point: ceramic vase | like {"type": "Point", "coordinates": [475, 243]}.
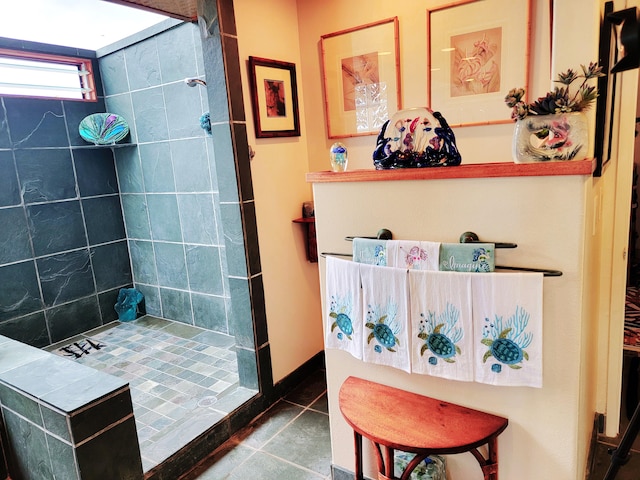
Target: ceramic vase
{"type": "Point", "coordinates": [556, 137]}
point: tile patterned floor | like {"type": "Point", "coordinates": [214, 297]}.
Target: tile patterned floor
{"type": "Point", "coordinates": [183, 379]}
{"type": "Point", "coordinates": [290, 441]}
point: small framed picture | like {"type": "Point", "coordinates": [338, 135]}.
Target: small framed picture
{"type": "Point", "coordinates": [274, 97]}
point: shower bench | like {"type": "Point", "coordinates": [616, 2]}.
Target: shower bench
{"type": "Point", "coordinates": [396, 419]}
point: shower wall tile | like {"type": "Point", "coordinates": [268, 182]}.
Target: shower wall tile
{"type": "Point", "coordinates": [129, 170]}
{"type": "Point", "coordinates": [123, 106]}
{"type": "Point", "coordinates": [197, 45]}
{"type": "Point", "coordinates": [74, 112]}
{"type": "Point", "coordinates": [96, 172]}
{"type": "Point", "coordinates": [224, 163]}
{"type": "Point", "coordinates": [4, 124]}
{"type": "Point", "coordinates": [111, 265]}
{"type": "Point", "coordinates": [55, 422]}
{"type": "Point", "coordinates": [191, 165]}
{"type": "Point", "coordinates": [73, 318]}
{"type": "Point", "coordinates": [184, 109]}
{"type": "Point", "coordinates": [234, 239]}
{"type": "Point", "coordinates": [9, 187]}
{"type": "Point", "coordinates": [45, 175]}
{"type": "Point", "coordinates": [143, 261]}
{"type": "Point", "coordinates": [241, 312]}
{"type": "Point", "coordinates": [157, 167]}
{"type": "Point", "coordinates": [209, 312]}
{"type": "Point", "coordinates": [203, 264]}
{"type": "Point", "coordinates": [30, 329]}
{"type": "Point", "coordinates": [150, 115]}
{"type": "Point", "coordinates": [198, 218]}
{"type": "Point", "coordinates": [107, 301]}
{"type": "Point", "coordinates": [170, 263]}
{"type": "Point", "coordinates": [65, 277]}
{"type": "Point", "coordinates": [103, 217]}
{"type": "Point", "coordinates": [20, 293]}
{"type": "Point", "coordinates": [176, 305]}
{"type": "Point", "coordinates": [28, 444]}
{"type": "Point", "coordinates": [63, 463]}
{"type": "Point", "coordinates": [152, 302]}
{"type": "Point", "coordinates": [56, 227]}
{"type": "Point", "coordinates": [14, 236]}
{"type": "Point", "coordinates": [36, 122]}
{"type": "Point", "coordinates": [114, 74]}
{"type": "Point", "coordinates": [143, 65]}
{"type": "Point", "coordinates": [177, 53]}
{"type": "Point", "coordinates": [164, 217]}
{"type": "Point", "coordinates": [136, 216]}
{"type": "Point", "coordinates": [25, 406]}
{"type": "Point", "coordinates": [216, 82]}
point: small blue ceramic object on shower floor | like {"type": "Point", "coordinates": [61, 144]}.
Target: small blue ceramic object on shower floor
{"type": "Point", "coordinates": [103, 128]}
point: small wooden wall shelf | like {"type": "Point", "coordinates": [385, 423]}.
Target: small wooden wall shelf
{"type": "Point", "coordinates": [312, 247]}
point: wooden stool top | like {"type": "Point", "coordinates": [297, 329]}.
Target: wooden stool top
{"type": "Point", "coordinates": [413, 423]}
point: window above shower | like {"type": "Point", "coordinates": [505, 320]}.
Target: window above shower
{"type": "Point", "coordinates": [49, 76]}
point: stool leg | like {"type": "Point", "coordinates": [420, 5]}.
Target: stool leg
{"type": "Point", "coordinates": [492, 473]}
{"type": "Point", "coordinates": [388, 463]}
{"type": "Point", "coordinates": [358, 449]}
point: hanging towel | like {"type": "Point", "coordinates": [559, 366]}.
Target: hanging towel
{"type": "Point", "coordinates": [414, 255]}
{"type": "Point", "coordinates": [467, 257]}
{"type": "Point", "coordinates": [507, 321]}
{"type": "Point", "coordinates": [385, 295]}
{"type": "Point", "coordinates": [441, 324]}
{"type": "Point", "coordinates": [343, 329]}
{"type": "Point", "coordinates": [371, 251]}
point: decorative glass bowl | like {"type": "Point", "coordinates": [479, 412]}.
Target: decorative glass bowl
{"type": "Point", "coordinates": [103, 128]}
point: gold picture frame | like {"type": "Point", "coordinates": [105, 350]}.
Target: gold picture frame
{"type": "Point", "coordinates": [477, 51]}
{"type": "Point", "coordinates": [361, 78]}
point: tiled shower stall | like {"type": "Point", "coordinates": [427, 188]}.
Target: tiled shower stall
{"type": "Point", "coordinates": [81, 222]}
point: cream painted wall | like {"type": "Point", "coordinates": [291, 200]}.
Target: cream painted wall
{"type": "Point", "coordinates": [546, 217]}
{"type": "Point", "coordinates": [269, 29]}
{"type": "Point", "coordinates": [476, 144]}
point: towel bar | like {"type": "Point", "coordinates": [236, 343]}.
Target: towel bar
{"type": "Point", "coordinates": [383, 234]}
{"type": "Point", "coordinates": [545, 272]}
{"type": "Point", "coordinates": [470, 237]}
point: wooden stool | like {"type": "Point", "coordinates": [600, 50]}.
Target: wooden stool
{"type": "Point", "coordinates": [396, 419]}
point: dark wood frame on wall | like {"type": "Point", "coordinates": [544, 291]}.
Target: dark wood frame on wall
{"type": "Point", "coordinates": [607, 89]}
{"type": "Point", "coordinates": [264, 73]}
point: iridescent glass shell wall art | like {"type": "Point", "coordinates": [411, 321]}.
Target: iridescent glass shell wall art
{"type": "Point", "coordinates": [103, 128]}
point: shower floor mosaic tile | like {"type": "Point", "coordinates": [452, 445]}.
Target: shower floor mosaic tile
{"type": "Point", "coordinates": [183, 379]}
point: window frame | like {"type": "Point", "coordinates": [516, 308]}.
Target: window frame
{"type": "Point", "coordinates": [87, 81]}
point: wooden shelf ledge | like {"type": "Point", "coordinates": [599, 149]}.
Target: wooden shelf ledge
{"type": "Point", "coordinates": [480, 170]}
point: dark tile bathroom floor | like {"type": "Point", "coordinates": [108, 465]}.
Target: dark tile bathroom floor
{"type": "Point", "coordinates": [290, 441]}
{"type": "Point", "coordinates": [183, 379]}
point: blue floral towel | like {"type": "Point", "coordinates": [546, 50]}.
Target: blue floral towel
{"type": "Point", "coordinates": [343, 322]}
{"type": "Point", "coordinates": [507, 322]}
{"type": "Point", "coordinates": [385, 296]}
{"type": "Point", "coordinates": [441, 323]}
{"type": "Point", "coordinates": [370, 251]}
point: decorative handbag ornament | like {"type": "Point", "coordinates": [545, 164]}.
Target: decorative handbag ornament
{"type": "Point", "coordinates": [416, 138]}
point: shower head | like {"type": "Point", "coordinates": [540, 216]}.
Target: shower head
{"type": "Point", "coordinates": [192, 82]}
